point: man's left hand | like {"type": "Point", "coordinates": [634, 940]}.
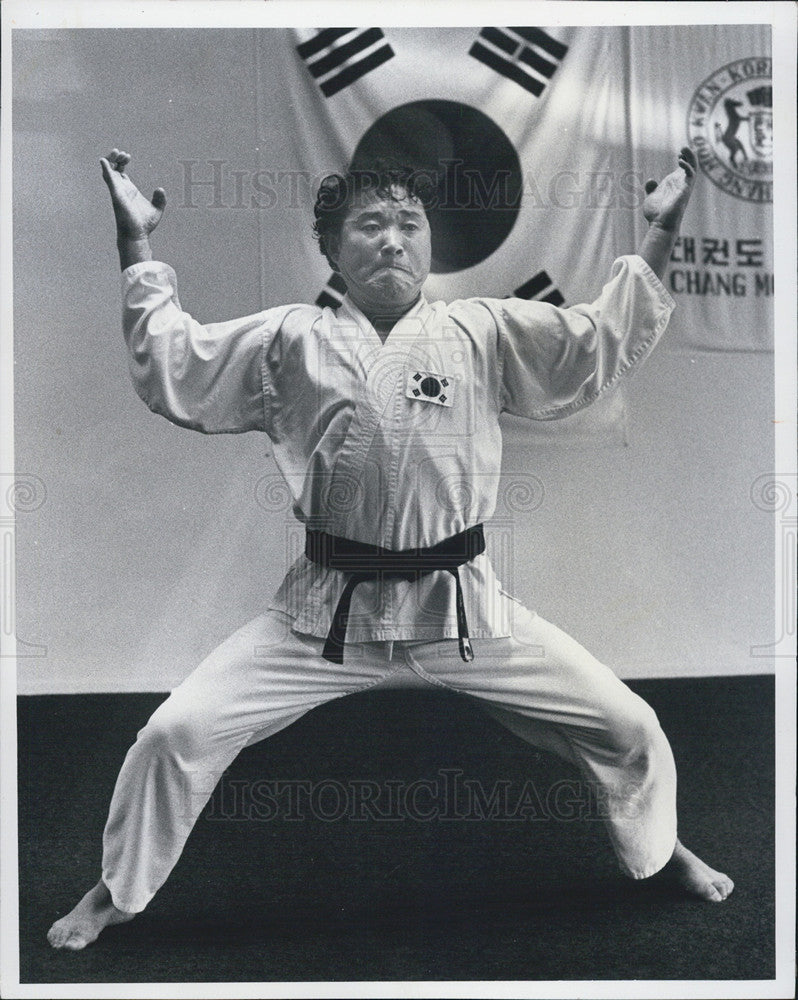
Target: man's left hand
{"type": "Point", "coordinates": [666, 201]}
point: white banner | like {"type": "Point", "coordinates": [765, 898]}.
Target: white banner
{"type": "Point", "coordinates": [711, 85]}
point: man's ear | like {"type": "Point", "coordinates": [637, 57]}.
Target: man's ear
{"type": "Point", "coordinates": [333, 247]}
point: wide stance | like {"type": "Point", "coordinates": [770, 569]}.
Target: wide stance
{"type": "Point", "coordinates": [383, 416]}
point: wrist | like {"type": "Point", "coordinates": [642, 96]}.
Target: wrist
{"type": "Point", "coordinates": [668, 227]}
{"type": "Point", "coordinates": [656, 247]}
{"type": "Point", "coordinates": [132, 241]}
{"type": "Point", "coordinates": [133, 250]}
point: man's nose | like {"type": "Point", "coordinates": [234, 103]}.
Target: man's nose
{"type": "Point", "coordinates": [392, 244]}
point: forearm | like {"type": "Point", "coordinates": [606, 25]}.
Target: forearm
{"type": "Point", "coordinates": [656, 247]}
{"type": "Point", "coordinates": [133, 251]}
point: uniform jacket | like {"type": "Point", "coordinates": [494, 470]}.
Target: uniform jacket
{"type": "Point", "coordinates": [395, 444]}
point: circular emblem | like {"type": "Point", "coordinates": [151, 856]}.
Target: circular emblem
{"type": "Point", "coordinates": [474, 166]}
{"type": "Point", "coordinates": [430, 386]}
{"type": "Point", "coordinates": [730, 126]}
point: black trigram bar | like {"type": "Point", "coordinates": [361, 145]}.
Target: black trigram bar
{"type": "Point", "coordinates": [333, 293]}
{"type": "Point", "coordinates": [511, 42]}
{"type": "Point", "coordinates": [321, 41]}
{"type": "Point", "coordinates": [330, 61]}
{"type": "Point", "coordinates": [537, 283]}
{"type": "Point", "coordinates": [536, 36]}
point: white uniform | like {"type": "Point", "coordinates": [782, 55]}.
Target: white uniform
{"type": "Point", "coordinates": [396, 445]}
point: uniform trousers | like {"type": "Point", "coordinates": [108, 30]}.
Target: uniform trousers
{"type": "Point", "coordinates": [539, 682]}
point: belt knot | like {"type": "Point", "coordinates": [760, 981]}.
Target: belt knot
{"type": "Point", "coordinates": [371, 562]}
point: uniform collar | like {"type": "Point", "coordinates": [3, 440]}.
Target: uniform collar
{"type": "Point", "coordinates": [348, 309]}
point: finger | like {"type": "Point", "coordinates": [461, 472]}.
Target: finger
{"type": "Point", "coordinates": [159, 199]}
{"type": "Point", "coordinates": [689, 154]}
{"type": "Point", "coordinates": [118, 159]}
{"type": "Point", "coordinates": [108, 172]}
{"type": "Point", "coordinates": [650, 185]}
{"type": "Point", "coordinates": [688, 168]}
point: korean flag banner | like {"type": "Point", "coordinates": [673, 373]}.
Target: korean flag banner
{"type": "Point", "coordinates": [541, 140]}
{"type": "Point", "coordinates": [518, 126]}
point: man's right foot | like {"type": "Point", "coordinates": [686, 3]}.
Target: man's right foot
{"type": "Point", "coordinates": [82, 925]}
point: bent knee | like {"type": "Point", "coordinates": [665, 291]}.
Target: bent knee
{"type": "Point", "coordinates": [171, 732]}
{"type": "Point", "coordinates": [635, 730]}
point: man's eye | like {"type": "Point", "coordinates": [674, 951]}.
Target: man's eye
{"type": "Point", "coordinates": [371, 228]}
{"type": "Point", "coordinates": [410, 227]}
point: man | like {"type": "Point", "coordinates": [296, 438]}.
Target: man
{"type": "Point", "coordinates": [384, 419]}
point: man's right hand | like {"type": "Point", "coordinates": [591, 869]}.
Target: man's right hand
{"type": "Point", "coordinates": [136, 217]}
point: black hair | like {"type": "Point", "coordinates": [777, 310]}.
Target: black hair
{"type": "Point", "coordinates": [382, 177]}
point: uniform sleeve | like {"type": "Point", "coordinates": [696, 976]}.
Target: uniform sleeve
{"type": "Point", "coordinates": [556, 361]}
{"type": "Point", "coordinates": [208, 378]}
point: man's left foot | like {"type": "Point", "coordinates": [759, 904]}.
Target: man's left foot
{"type": "Point", "coordinates": [690, 872]}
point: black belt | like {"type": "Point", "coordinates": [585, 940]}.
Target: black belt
{"type": "Point", "coordinates": [371, 562]}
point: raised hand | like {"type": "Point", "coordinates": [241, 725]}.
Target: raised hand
{"type": "Point", "coordinates": [666, 201]}
{"type": "Point", "coordinates": [136, 216]}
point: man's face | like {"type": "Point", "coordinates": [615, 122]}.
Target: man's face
{"type": "Point", "coordinates": [383, 252]}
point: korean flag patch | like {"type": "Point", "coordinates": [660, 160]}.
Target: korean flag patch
{"type": "Point", "coordinates": [430, 388]}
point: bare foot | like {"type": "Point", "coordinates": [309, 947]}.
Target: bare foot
{"type": "Point", "coordinates": [690, 872]}
{"type": "Point", "coordinates": [82, 925]}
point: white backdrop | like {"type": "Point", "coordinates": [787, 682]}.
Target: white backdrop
{"type": "Point", "coordinates": [145, 545]}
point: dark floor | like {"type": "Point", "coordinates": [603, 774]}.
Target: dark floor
{"type": "Point", "coordinates": [406, 891]}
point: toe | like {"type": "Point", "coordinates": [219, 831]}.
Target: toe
{"type": "Point", "coordinates": [75, 942]}
{"type": "Point", "coordinates": [56, 936]}
{"type": "Point", "coordinates": [78, 938]}
{"type": "Point", "coordinates": [721, 887]}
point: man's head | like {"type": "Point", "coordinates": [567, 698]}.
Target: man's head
{"type": "Point", "coordinates": [372, 227]}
